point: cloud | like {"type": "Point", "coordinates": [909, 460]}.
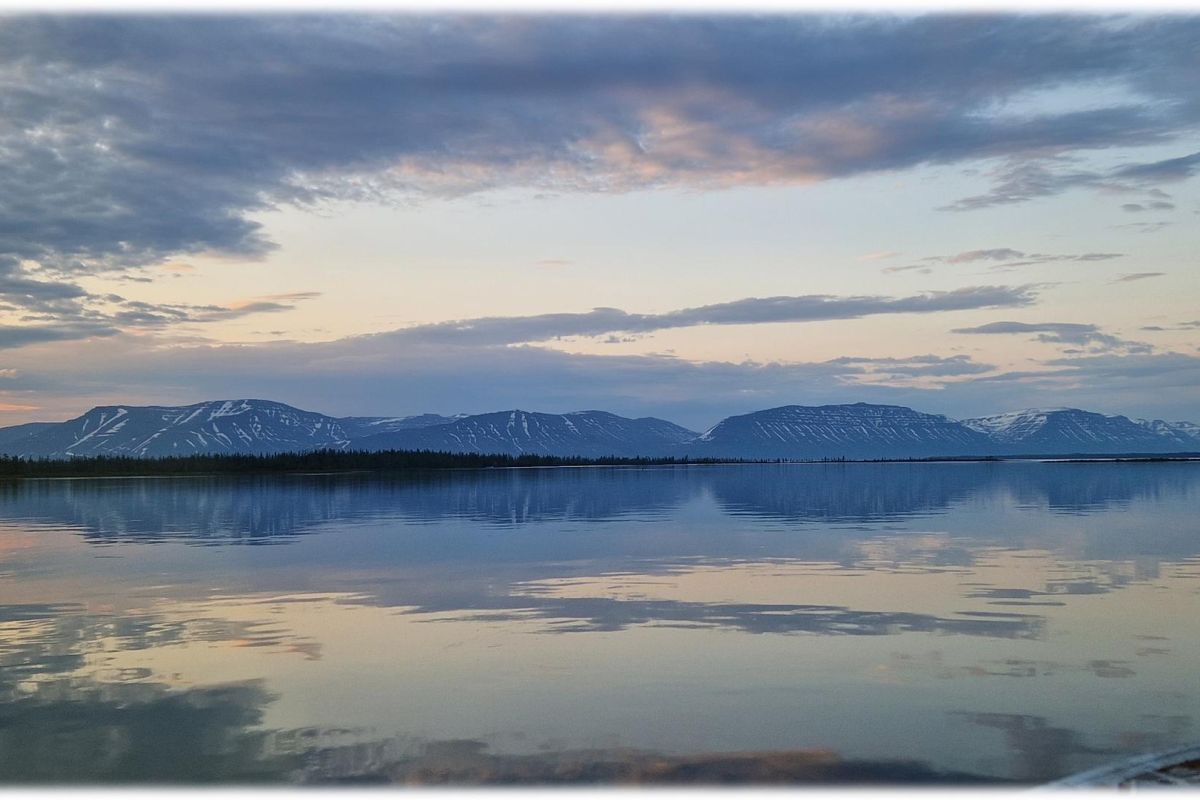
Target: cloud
{"type": "Point", "coordinates": [1157, 205]}
{"type": "Point", "coordinates": [1144, 227]}
{"type": "Point", "coordinates": [1019, 180]}
{"type": "Point", "coordinates": [289, 296]}
{"type": "Point", "coordinates": [1152, 371]}
{"type": "Point", "coordinates": [242, 310]}
{"type": "Point", "coordinates": [1060, 333]}
{"type": "Point", "coordinates": [1165, 171]}
{"type": "Point", "coordinates": [386, 375]}
{"type": "Point", "coordinates": [149, 314]}
{"type": "Point", "coordinates": [1183, 326]}
{"type": "Point", "coordinates": [996, 254]}
{"type": "Point", "coordinates": [921, 268]}
{"type": "Point", "coordinates": [1022, 180]}
{"type": "Point", "coordinates": [21, 335]}
{"type": "Point", "coordinates": [1094, 257]}
{"type": "Point", "coordinates": [56, 301]}
{"type": "Point", "coordinates": [1007, 254]}
{"type": "Point", "coordinates": [1162, 385]}
{"type": "Point", "coordinates": [1137, 276]}
{"type": "Point", "coordinates": [131, 139]}
{"type": "Point", "coordinates": [899, 370]}
{"type": "Point", "coordinates": [62, 312]}
{"type": "Point", "coordinates": [749, 311]}
{"type": "Point", "coordinates": [1006, 258]}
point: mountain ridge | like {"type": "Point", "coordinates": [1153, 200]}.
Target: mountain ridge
{"type": "Point", "coordinates": [855, 430]}
{"type": "Point", "coordinates": [1079, 431]}
{"type": "Point", "coordinates": [584, 433]}
{"type": "Point", "coordinates": [852, 430]}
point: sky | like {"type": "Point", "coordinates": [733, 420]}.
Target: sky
{"type": "Point", "coordinates": [682, 215]}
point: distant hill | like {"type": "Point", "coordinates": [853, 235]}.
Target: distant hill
{"type": "Point", "coordinates": [1071, 430]}
{"type": "Point", "coordinates": [858, 430]}
{"type": "Point", "coordinates": [263, 426]}
{"type": "Point", "coordinates": [1172, 431]}
{"type": "Point", "coordinates": [219, 426]}
{"type": "Point", "coordinates": [851, 431]}
{"type": "Point", "coordinates": [579, 433]}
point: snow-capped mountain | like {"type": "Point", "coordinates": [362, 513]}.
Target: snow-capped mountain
{"type": "Point", "coordinates": [1071, 430]}
{"type": "Point", "coordinates": [1187, 432]}
{"type": "Point", "coordinates": [261, 426]}
{"type": "Point", "coordinates": [858, 430]}
{"type": "Point", "coordinates": [579, 433]}
{"type": "Point", "coordinates": [853, 431]}
{"type": "Point", "coordinates": [220, 426]}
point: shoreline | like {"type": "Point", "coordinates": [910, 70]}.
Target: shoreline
{"type": "Point", "coordinates": [325, 463]}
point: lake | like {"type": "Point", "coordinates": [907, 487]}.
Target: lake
{"type": "Point", "coordinates": [843, 622]}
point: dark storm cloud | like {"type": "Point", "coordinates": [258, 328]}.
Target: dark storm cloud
{"type": "Point", "coordinates": [129, 138]}
{"type": "Point", "coordinates": [748, 311]}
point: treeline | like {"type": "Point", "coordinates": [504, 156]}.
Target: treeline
{"type": "Point", "coordinates": [316, 461]}
{"type": "Point", "coordinates": [408, 460]}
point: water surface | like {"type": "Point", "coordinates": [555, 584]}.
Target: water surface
{"type": "Point", "coordinates": [894, 622]}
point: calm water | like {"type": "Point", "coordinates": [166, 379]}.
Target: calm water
{"type": "Point", "coordinates": [845, 622]}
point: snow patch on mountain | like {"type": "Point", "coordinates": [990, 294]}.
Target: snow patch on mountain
{"type": "Point", "coordinates": [1012, 425]}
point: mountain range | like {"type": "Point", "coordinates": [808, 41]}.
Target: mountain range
{"type": "Point", "coordinates": [852, 431]}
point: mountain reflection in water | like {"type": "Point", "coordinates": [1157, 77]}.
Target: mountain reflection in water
{"type": "Point", "coordinates": [895, 623]}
